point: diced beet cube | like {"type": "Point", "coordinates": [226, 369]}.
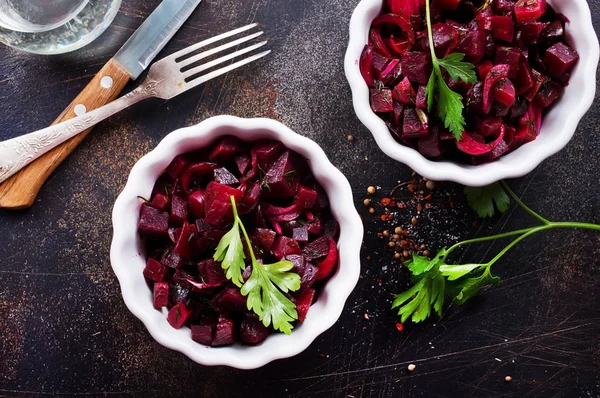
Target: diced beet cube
{"type": "Point", "coordinates": [303, 300]}
{"type": "Point", "coordinates": [316, 249]}
{"type": "Point", "coordinates": [387, 71]}
{"type": "Point", "coordinates": [284, 246]}
{"type": "Point", "coordinates": [282, 177]}
{"type": "Point", "coordinates": [264, 153]}
{"type": "Point", "coordinates": [421, 101]}
{"type": "Point", "coordinates": [177, 165]}
{"type": "Point", "coordinates": [326, 267]}
{"type": "Point", "coordinates": [243, 162]}
{"type": "Point", "coordinates": [378, 45]}
{"type": "Point", "coordinates": [179, 210]}
{"type": "Point", "coordinates": [224, 332]}
{"type": "Point", "coordinates": [174, 234]}
{"type": "Point", "coordinates": [366, 59]}
{"type": "Point", "coordinates": [172, 260]}
{"type": "Point", "coordinates": [404, 93]}
{"type": "Point", "coordinates": [524, 79]}
{"type": "Point", "coordinates": [211, 272]}
{"type": "Point", "coordinates": [391, 77]}
{"type": "Point", "coordinates": [178, 293]}
{"type": "Point", "coordinates": [230, 300]}
{"type": "Point", "coordinates": [224, 149]}
{"type": "Point", "coordinates": [381, 100]}
{"type": "Point", "coordinates": [298, 261]}
{"type": "Point", "coordinates": [429, 146]}
{"type": "Point", "coordinates": [155, 271]}
{"type": "Point", "coordinates": [416, 66]}
{"type": "Point", "coordinates": [538, 80]}
{"type": "Point", "coordinates": [473, 46]}
{"type": "Point", "coordinates": [547, 95]}
{"type": "Point", "coordinates": [413, 126]}
{"type": "Point", "coordinates": [224, 176]}
{"type": "Point", "coordinates": [529, 10]}
{"type": "Point", "coordinates": [552, 32]}
{"type": "Point", "coordinates": [503, 28]}
{"type": "Point", "coordinates": [263, 238]}
{"type": "Point", "coordinates": [444, 35]}
{"type": "Point", "coordinates": [519, 108]}
{"type": "Point", "coordinates": [160, 202]}
{"type": "Point", "coordinates": [503, 7]}
{"type": "Point", "coordinates": [379, 64]}
{"type": "Point", "coordinates": [315, 227]}
{"type": "Point", "coordinates": [252, 330]}
{"type": "Point", "coordinates": [509, 56]}
{"type": "Point", "coordinates": [195, 172]}
{"type": "Point", "coordinates": [182, 278]}
{"type": "Point", "coordinates": [398, 113]}
{"type": "Point", "coordinates": [217, 203]}
{"type": "Point", "coordinates": [505, 92]}
{"type": "Point", "coordinates": [309, 275]}
{"type": "Point", "coordinates": [499, 109]}
{"type": "Point", "coordinates": [449, 5]}
{"type": "Point", "coordinates": [305, 197]}
{"type": "Point", "coordinates": [530, 32]}
{"type": "Point", "coordinates": [331, 229]}
{"type": "Point", "coordinates": [178, 315]}
{"type": "Point", "coordinates": [300, 234]}
{"type": "Point", "coordinates": [196, 203]}
{"type": "Point", "coordinates": [475, 99]}
{"type": "Point", "coordinates": [202, 334]}
{"type": "Point", "coordinates": [484, 68]}
{"type": "Point", "coordinates": [161, 295]}
{"type": "Point", "coordinates": [560, 59]}
{"type": "Point", "coordinates": [185, 244]}
{"type": "Point", "coordinates": [249, 198]}
{"type": "Point", "coordinates": [497, 73]}
{"type": "Point", "coordinates": [489, 126]}
{"type": "Point", "coordinates": [153, 222]}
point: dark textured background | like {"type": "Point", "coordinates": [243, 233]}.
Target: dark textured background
{"type": "Point", "coordinates": [65, 330]}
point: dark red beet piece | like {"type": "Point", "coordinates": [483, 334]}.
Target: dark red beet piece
{"type": "Point", "coordinates": [282, 177]}
{"type": "Point", "coordinates": [303, 300]}
{"type": "Point", "coordinates": [404, 93]}
{"type": "Point", "coordinates": [560, 59]}
{"type": "Point", "coordinates": [161, 295]}
{"type": "Point", "coordinates": [252, 330]}
{"type": "Point", "coordinates": [402, 22]}
{"type": "Point", "coordinates": [160, 202]}
{"type": "Point", "coordinates": [284, 246]}
{"type": "Point", "coordinates": [211, 272]}
{"type": "Point", "coordinates": [178, 293]}
{"type": "Point", "coordinates": [217, 203]}
{"type": "Point", "coordinates": [179, 210]}
{"type": "Point", "coordinates": [552, 32]}
{"type": "Point", "coordinates": [174, 234]}
{"type": "Point", "coordinates": [524, 79]}
{"type": "Point", "coordinates": [263, 154]}
{"type": "Point", "coordinates": [263, 238]}
{"type": "Point", "coordinates": [497, 73]}
{"type": "Point", "coordinates": [316, 249]}
{"type": "Point", "coordinates": [202, 334]}
{"type": "Point", "coordinates": [230, 300]}
{"type": "Point", "coordinates": [529, 10]}
{"type": "Point", "coordinates": [381, 100]}
{"type": "Point", "coordinates": [172, 260]}
{"type": "Point", "coordinates": [185, 244]}
{"type": "Point", "coordinates": [509, 56]}
{"type": "Point", "coordinates": [378, 45]}
{"type": "Point", "coordinates": [224, 333]}
{"type": "Point", "coordinates": [196, 203]}
{"type": "Point", "coordinates": [388, 73]}
{"type": "Point", "coordinates": [449, 5]}
{"type": "Point", "coordinates": [444, 35]}
{"type": "Point", "coordinates": [505, 92]}
{"type": "Point", "coordinates": [416, 66]}
{"type": "Point", "coordinates": [194, 171]}
{"type": "Point", "coordinates": [243, 162]}
{"type": "Point", "coordinates": [473, 46]}
{"type": "Point", "coordinates": [331, 229]}
{"type": "Point", "coordinates": [413, 126]}
{"type": "Point", "coordinates": [489, 126]}
{"type": "Point", "coordinates": [224, 149]}
{"type": "Point", "coordinates": [309, 275]}
{"type": "Point", "coordinates": [503, 28]}
{"type": "Point", "coordinates": [153, 222]}
{"type": "Point", "coordinates": [530, 32]}
{"type": "Point", "coordinates": [366, 59]}
{"type": "Point", "coordinates": [429, 146]}
{"type": "Point", "coordinates": [182, 278]}
{"type": "Point", "coordinates": [315, 227]}
{"type": "Point", "coordinates": [300, 234]}
{"type": "Point", "coordinates": [155, 271]}
{"type": "Point", "coordinates": [250, 198]}
{"type": "Point", "coordinates": [305, 196]}
{"type": "Point", "coordinates": [177, 165]}
{"type": "Point", "coordinates": [325, 267]}
{"type": "Point", "coordinates": [547, 95]}
{"type": "Point", "coordinates": [224, 176]}
{"type": "Point", "coordinates": [298, 261]}
{"type": "Point", "coordinates": [178, 315]}
{"type": "Point", "coordinates": [421, 101]}
{"type": "Point", "coordinates": [538, 80]}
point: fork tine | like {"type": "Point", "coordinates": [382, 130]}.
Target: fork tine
{"type": "Point", "coordinates": [219, 72]}
{"type": "Point", "coordinates": [195, 70]}
{"type": "Point", "coordinates": [211, 40]}
{"type": "Point", "coordinates": [212, 51]}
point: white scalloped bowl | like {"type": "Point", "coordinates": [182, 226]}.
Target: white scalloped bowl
{"type": "Point", "coordinates": [127, 251]}
{"type": "Point", "coordinates": [558, 125]}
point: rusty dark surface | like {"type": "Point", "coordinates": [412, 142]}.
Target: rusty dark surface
{"type": "Point", "coordinates": [65, 330]}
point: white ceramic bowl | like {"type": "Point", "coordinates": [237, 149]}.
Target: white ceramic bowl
{"type": "Point", "coordinates": [558, 126]}
{"type": "Point", "coordinates": [127, 251]}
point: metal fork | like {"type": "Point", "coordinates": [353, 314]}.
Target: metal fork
{"type": "Point", "coordinates": [166, 79]}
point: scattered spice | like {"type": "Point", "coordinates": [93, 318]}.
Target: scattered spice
{"type": "Point", "coordinates": [371, 190]}
{"type": "Point", "coordinates": [366, 316]}
{"type": "Point", "coordinates": [350, 138]}
{"type": "Point", "coordinates": [411, 367]}
{"type": "Point", "coordinates": [397, 256]}
{"type": "Point", "coordinates": [371, 210]}
{"type": "Point", "coordinates": [507, 379]}
{"type": "Point", "coordinates": [398, 230]}
{"type": "Point", "coordinates": [367, 202]}
{"type": "Point", "coordinates": [430, 185]}
{"type": "Point", "coordinates": [414, 221]}
{"type": "Point", "coordinates": [392, 244]}
{"type": "Point", "coordinates": [399, 326]}
{"type": "Point", "coordinates": [386, 233]}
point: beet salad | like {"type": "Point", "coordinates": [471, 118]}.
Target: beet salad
{"type": "Point", "coordinates": [239, 238]}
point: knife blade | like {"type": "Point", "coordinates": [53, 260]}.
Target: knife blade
{"type": "Point", "coordinates": [137, 53]}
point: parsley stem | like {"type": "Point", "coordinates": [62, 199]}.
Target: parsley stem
{"type": "Point", "coordinates": [523, 205]}
{"type": "Point", "coordinates": [486, 238]}
{"type": "Point", "coordinates": [239, 222]}
{"type": "Point", "coordinates": [430, 34]}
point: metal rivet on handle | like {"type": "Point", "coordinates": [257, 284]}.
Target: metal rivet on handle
{"type": "Point", "coordinates": [106, 82]}
{"type": "Point", "coordinates": [80, 109]}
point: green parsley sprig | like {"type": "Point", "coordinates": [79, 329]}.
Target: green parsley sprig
{"type": "Point", "coordinates": [435, 280]}
{"type": "Point", "coordinates": [266, 284]}
{"type": "Point", "coordinates": [449, 103]}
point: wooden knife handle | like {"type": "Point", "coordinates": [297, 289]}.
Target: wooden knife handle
{"type": "Point", "coordinates": [20, 191]}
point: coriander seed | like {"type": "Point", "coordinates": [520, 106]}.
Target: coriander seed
{"type": "Point", "coordinates": [398, 230]}
{"type": "Point", "coordinates": [371, 190]}
{"type": "Point", "coordinates": [411, 367]}
{"type": "Point", "coordinates": [371, 210]}
{"type": "Point", "coordinates": [430, 185]}
{"type": "Point", "coordinates": [367, 202]}
{"type": "Point", "coordinates": [507, 379]}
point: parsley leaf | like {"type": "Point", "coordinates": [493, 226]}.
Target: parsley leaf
{"type": "Point", "coordinates": [230, 251]}
{"type": "Point", "coordinates": [482, 199]}
{"type": "Point", "coordinates": [469, 287]}
{"type": "Point", "coordinates": [449, 106]}
{"type": "Point", "coordinates": [266, 284]}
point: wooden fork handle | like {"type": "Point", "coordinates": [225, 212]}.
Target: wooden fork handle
{"type": "Point", "coordinates": [20, 190]}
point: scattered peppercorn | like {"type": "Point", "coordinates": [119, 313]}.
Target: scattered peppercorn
{"type": "Point", "coordinates": [397, 230]}
{"type": "Point", "coordinates": [350, 138]}
{"type": "Point", "coordinates": [399, 326]}
{"type": "Point", "coordinates": [392, 244]}
{"type": "Point", "coordinates": [395, 236]}
{"type": "Point", "coordinates": [430, 185]}
{"type": "Point", "coordinates": [507, 379]}
{"type": "Point", "coordinates": [367, 202]}
{"type": "Point", "coordinates": [371, 210]}
{"type": "Point", "coordinates": [426, 253]}
{"type": "Point", "coordinates": [386, 233]}
{"type": "Point", "coordinates": [371, 190]}
{"type": "Point", "coordinates": [414, 221]}
{"type": "Point", "coordinates": [397, 256]}
{"type": "Point", "coordinates": [412, 367]}
{"type": "Point", "coordinates": [419, 208]}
